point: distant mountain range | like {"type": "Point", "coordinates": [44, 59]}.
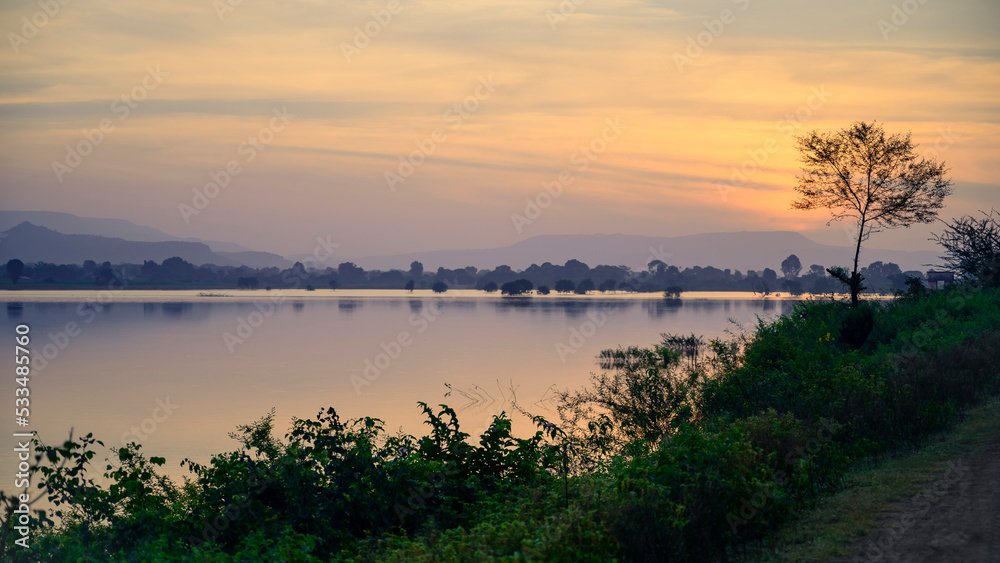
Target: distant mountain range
{"type": "Point", "coordinates": [31, 243]}
{"type": "Point", "coordinates": [754, 250]}
{"type": "Point", "coordinates": [65, 238]}
{"type": "Point", "coordinates": [69, 224]}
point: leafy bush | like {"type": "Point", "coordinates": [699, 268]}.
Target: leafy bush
{"type": "Point", "coordinates": [329, 485]}
{"type": "Point", "coordinates": [627, 411]}
{"type": "Point", "coordinates": [857, 325]}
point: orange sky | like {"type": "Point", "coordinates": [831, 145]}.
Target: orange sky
{"type": "Point", "coordinates": [539, 81]}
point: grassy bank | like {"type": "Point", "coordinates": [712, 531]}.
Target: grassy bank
{"type": "Point", "coordinates": [665, 456]}
{"type": "Point", "coordinates": [875, 489]}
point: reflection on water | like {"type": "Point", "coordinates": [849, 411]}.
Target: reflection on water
{"type": "Point", "coordinates": [347, 305]}
{"type": "Point", "coordinates": [176, 309]}
{"type": "Point", "coordinates": [107, 372]}
{"type": "Point", "coordinates": [14, 310]}
{"type": "Point", "coordinates": [657, 309]}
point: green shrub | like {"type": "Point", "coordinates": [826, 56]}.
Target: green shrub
{"type": "Point", "coordinates": [857, 324]}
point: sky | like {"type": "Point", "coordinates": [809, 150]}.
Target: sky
{"type": "Point", "coordinates": [397, 126]}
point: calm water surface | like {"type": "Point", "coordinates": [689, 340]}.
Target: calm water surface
{"type": "Point", "coordinates": [178, 371]}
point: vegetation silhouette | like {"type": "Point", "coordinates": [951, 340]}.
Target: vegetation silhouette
{"type": "Point", "coordinates": [878, 181]}
{"type": "Point", "coordinates": [179, 274]}
{"type": "Point", "coordinates": [972, 248]}
{"type": "Point", "coordinates": [14, 269]}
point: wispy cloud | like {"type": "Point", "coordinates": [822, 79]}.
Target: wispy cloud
{"type": "Point", "coordinates": [687, 130]}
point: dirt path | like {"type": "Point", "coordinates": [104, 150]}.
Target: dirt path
{"type": "Point", "coordinates": [956, 517]}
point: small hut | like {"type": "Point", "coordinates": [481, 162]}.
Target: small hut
{"type": "Point", "coordinates": [935, 277]}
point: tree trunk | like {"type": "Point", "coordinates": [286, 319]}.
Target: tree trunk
{"type": "Point", "coordinates": [855, 276]}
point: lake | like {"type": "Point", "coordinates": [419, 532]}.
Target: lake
{"type": "Point", "coordinates": [178, 370]}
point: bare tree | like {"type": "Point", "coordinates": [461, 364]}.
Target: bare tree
{"type": "Point", "coordinates": [972, 248]}
{"type": "Point", "coordinates": [860, 173]}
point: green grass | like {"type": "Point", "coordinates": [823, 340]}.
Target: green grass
{"type": "Point", "coordinates": [872, 491]}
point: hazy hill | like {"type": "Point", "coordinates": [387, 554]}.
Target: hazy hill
{"type": "Point", "coordinates": [31, 243]}
{"type": "Point", "coordinates": [255, 259]}
{"type": "Point", "coordinates": [69, 224]}
{"type": "Point", "coordinates": [743, 251]}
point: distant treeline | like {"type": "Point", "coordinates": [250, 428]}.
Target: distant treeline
{"type": "Point", "coordinates": [573, 276]}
